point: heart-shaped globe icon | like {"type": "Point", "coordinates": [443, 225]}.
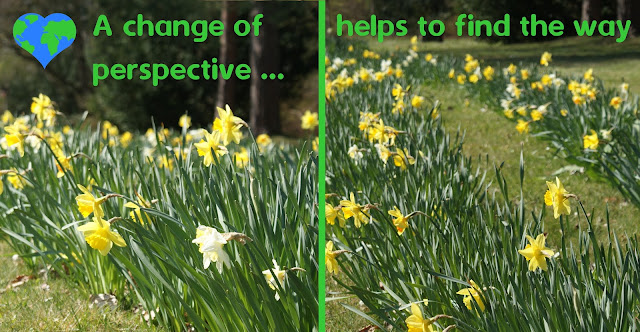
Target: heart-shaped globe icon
{"type": "Point", "coordinates": [44, 37]}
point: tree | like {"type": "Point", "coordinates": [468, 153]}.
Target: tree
{"type": "Point", "coordinates": [264, 58]}
{"type": "Point", "coordinates": [591, 10]}
{"type": "Point", "coordinates": [226, 88]}
{"type": "Point", "coordinates": [629, 10]}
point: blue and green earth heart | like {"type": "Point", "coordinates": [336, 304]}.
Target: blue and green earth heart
{"type": "Point", "coordinates": [44, 37]}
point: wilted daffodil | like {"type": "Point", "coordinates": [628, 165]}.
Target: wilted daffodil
{"type": "Point", "coordinates": [536, 253]}
{"type": "Point", "coordinates": [352, 209]}
{"type": "Point", "coordinates": [209, 145]}
{"type": "Point", "coordinates": [228, 125]}
{"type": "Point", "coordinates": [472, 295]}
{"type": "Point", "coordinates": [99, 235]}
{"type": "Point", "coordinates": [557, 197]}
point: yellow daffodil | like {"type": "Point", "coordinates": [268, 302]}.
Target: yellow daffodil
{"type": "Point", "coordinates": [508, 113]}
{"type": "Point", "coordinates": [99, 235]}
{"type": "Point", "coordinates": [263, 140]}
{"type": "Point", "coordinates": [545, 59]}
{"type": "Point", "coordinates": [331, 214]}
{"type": "Point", "coordinates": [228, 125]}
{"type": "Point", "coordinates": [209, 146]}
{"type": "Point", "coordinates": [351, 209]}
{"type": "Point", "coordinates": [615, 102]}
{"type": "Point", "coordinates": [473, 78]}
{"type": "Point", "coordinates": [488, 73]}
{"type": "Point", "coordinates": [472, 295]}
{"type": "Point", "coordinates": [137, 213]}
{"type": "Point", "coordinates": [242, 158]}
{"type": "Point", "coordinates": [524, 73]}
{"type": "Point", "coordinates": [591, 141]}
{"type": "Point", "coordinates": [536, 253]}
{"type": "Point", "coordinates": [309, 120]}
{"type": "Point", "coordinates": [400, 221]}
{"type": "Point", "coordinates": [416, 322]}
{"type": "Point", "coordinates": [588, 75]}
{"type": "Point", "coordinates": [330, 258]}
{"type": "Point", "coordinates": [536, 115]}
{"type": "Point", "coordinates": [417, 101]}
{"type": "Point", "coordinates": [87, 203]}
{"type": "Point", "coordinates": [184, 122]}
{"type": "Point", "coordinates": [522, 126]}
{"type": "Point", "coordinates": [557, 197]}
{"type": "Point", "coordinates": [16, 179]}
{"type": "Point", "coordinates": [402, 159]}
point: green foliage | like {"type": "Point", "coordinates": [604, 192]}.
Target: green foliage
{"type": "Point", "coordinates": [470, 229]}
{"type": "Point", "coordinates": [271, 200]}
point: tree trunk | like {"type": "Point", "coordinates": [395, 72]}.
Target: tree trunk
{"type": "Point", "coordinates": [591, 10]}
{"type": "Point", "coordinates": [629, 10]}
{"type": "Point", "coordinates": [226, 88]}
{"type": "Point", "coordinates": [264, 58]}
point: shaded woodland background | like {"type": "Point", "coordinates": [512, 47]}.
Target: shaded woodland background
{"type": "Point", "coordinates": [287, 43]}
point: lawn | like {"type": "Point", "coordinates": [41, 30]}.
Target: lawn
{"type": "Point", "coordinates": [54, 304]}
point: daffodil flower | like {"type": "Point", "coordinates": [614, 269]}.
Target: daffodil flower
{"type": "Point", "coordinates": [99, 235]}
{"type": "Point", "coordinates": [211, 243]}
{"type": "Point", "coordinates": [416, 322]}
{"type": "Point", "coordinates": [472, 295]}
{"type": "Point", "coordinates": [280, 275]}
{"type": "Point", "coordinates": [87, 203]}
{"type": "Point", "coordinates": [209, 146]}
{"type": "Point", "coordinates": [352, 209]}
{"type": "Point", "coordinates": [536, 253]}
{"type": "Point", "coordinates": [228, 125]}
{"type": "Point", "coordinates": [557, 197]}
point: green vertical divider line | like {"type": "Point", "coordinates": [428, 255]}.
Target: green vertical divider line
{"type": "Point", "coordinates": [321, 166]}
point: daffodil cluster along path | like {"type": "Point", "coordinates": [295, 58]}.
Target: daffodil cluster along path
{"type": "Point", "coordinates": [200, 228]}
{"type": "Point", "coordinates": [428, 239]}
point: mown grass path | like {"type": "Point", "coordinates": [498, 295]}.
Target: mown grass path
{"type": "Point", "coordinates": [54, 304]}
{"type": "Point", "coordinates": [494, 140]}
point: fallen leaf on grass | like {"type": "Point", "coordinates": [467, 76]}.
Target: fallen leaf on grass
{"type": "Point", "coordinates": [19, 281]}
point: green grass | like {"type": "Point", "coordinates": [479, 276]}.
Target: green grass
{"type": "Point", "coordinates": [488, 134]}
{"type": "Point", "coordinates": [62, 307]}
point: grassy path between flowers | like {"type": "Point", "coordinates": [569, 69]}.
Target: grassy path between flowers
{"type": "Point", "coordinates": [53, 304]}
